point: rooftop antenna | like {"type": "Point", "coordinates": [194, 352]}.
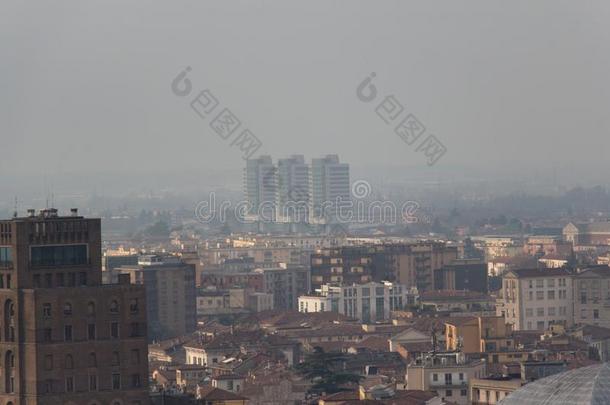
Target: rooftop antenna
{"type": "Point", "coordinates": [15, 212]}
{"type": "Point", "coordinates": [46, 191]}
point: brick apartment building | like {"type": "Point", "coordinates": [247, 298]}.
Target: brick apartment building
{"type": "Point", "coordinates": [66, 337]}
{"type": "Point", "coordinates": [409, 264]}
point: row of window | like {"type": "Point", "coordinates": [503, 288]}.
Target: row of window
{"type": "Point", "coordinates": [449, 393]}
{"type": "Point", "coordinates": [551, 311]}
{"type": "Point", "coordinates": [136, 330]}
{"type": "Point", "coordinates": [584, 313]}
{"type": "Point", "coordinates": [71, 279]}
{"type": "Point", "coordinates": [51, 387]}
{"type": "Point", "coordinates": [550, 282]}
{"type": "Point", "coordinates": [47, 308]}
{"type": "Point", "coordinates": [540, 325]}
{"type": "Point", "coordinates": [550, 294]}
{"type": "Point", "coordinates": [92, 361]}
{"type": "Point", "coordinates": [448, 378]}
{"type": "Point", "coordinates": [62, 255]}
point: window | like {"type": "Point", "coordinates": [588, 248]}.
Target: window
{"type": "Point", "coordinates": [71, 279]}
{"type": "Point", "coordinates": [461, 376]}
{"type": "Point", "coordinates": [62, 255]}
{"type": "Point", "coordinates": [47, 334]}
{"type": "Point", "coordinates": [116, 381]}
{"type": "Point", "coordinates": [6, 256]}
{"type": "Point", "coordinates": [69, 361]}
{"type": "Point", "coordinates": [68, 333]}
{"type": "Point", "coordinates": [448, 378]}
{"type": "Point", "coordinates": [114, 307]}
{"type": "Point", "coordinates": [540, 283]}
{"type": "Point", "coordinates": [82, 278]}
{"type": "Point", "coordinates": [91, 331]}
{"type": "Point", "coordinates": [135, 329]}
{"type": "Point", "coordinates": [133, 306]}
{"type": "Point", "coordinates": [434, 377]}
{"type": "Point", "coordinates": [583, 297]}
{"type": "Point", "coordinates": [463, 393]}
{"type": "Point", "coordinates": [91, 308]}
{"type": "Point", "coordinates": [551, 311]}
{"type": "Point", "coordinates": [529, 312]}
{"type": "Point", "coordinates": [135, 380]}
{"type": "Point", "coordinates": [116, 360]}
{"type": "Point", "coordinates": [551, 294]}
{"type": "Point", "coordinates": [114, 330]}
{"type": "Point", "coordinates": [539, 311]}
{"type": "Point", "coordinates": [67, 308]}
{"type": "Point", "coordinates": [70, 384]}
{"type": "Point", "coordinates": [48, 362]}
{"type": "Point", "coordinates": [448, 393]}
{"type": "Point", "coordinates": [135, 356]}
{"type": "Point", "coordinates": [92, 382]}
{"type": "Point", "coordinates": [92, 360]}
{"type": "Point", "coordinates": [48, 280]}
{"type": "Point", "coordinates": [539, 295]}
{"type": "Point", "coordinates": [596, 314]}
{"type": "Point", "coordinates": [550, 282]}
{"type": "Point", "coordinates": [46, 310]}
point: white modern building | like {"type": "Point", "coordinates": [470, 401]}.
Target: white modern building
{"type": "Point", "coordinates": [260, 187]}
{"type": "Point", "coordinates": [369, 302]}
{"type": "Point", "coordinates": [330, 183]}
{"type": "Point", "coordinates": [294, 190]}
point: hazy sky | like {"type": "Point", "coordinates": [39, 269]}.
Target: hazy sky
{"type": "Point", "coordinates": [86, 85]}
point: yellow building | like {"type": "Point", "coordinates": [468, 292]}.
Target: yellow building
{"type": "Point", "coordinates": [490, 391]}
{"type": "Point", "coordinates": [478, 334]}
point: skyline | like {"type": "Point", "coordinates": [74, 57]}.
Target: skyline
{"type": "Point", "coordinates": [467, 84]}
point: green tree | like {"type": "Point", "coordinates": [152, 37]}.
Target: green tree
{"type": "Point", "coordinates": [324, 371]}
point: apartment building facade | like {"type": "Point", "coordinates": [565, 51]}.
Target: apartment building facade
{"type": "Point", "coordinates": [170, 294]}
{"type": "Point", "coordinates": [533, 299]}
{"type": "Point", "coordinates": [285, 284]}
{"type": "Point", "coordinates": [409, 264]}
{"type": "Point", "coordinates": [368, 302]}
{"type": "Point", "coordinates": [592, 296]}
{"type": "Point", "coordinates": [448, 374]}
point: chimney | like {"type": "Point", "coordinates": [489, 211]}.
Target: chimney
{"type": "Point", "coordinates": [31, 213]}
{"type": "Point", "coordinates": [74, 212]}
